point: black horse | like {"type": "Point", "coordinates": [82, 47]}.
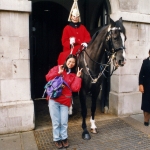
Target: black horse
{"type": "Point", "coordinates": [109, 39]}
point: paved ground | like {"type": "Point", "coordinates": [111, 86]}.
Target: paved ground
{"type": "Point", "coordinates": [115, 133]}
{"type": "Point", "coordinates": [18, 141]}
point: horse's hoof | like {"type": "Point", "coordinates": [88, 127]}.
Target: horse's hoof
{"type": "Point", "coordinates": [94, 131]}
{"type": "Point", "coordinates": [86, 136]}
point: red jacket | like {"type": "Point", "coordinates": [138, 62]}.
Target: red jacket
{"type": "Point", "coordinates": [81, 35]}
{"type": "Point", "coordinates": [73, 81]}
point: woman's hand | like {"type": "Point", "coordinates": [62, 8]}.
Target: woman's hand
{"type": "Point", "coordinates": [79, 72]}
{"type": "Point", "coordinates": [141, 88]}
{"type": "Point", "coordinates": [61, 69]}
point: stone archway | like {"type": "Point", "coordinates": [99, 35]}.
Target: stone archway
{"type": "Point", "coordinates": [45, 34]}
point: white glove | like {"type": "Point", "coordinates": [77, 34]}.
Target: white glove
{"type": "Point", "coordinates": [84, 44]}
{"type": "Point", "coordinates": [72, 40]}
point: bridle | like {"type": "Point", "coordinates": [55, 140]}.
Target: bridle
{"type": "Point", "coordinates": [109, 39]}
{"type": "Point", "coordinates": [111, 54]}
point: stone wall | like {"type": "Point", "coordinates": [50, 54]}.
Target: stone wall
{"type": "Point", "coordinates": [124, 97]}
{"type": "Point", "coordinates": [16, 106]}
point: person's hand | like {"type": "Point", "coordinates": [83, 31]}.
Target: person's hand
{"type": "Point", "coordinates": [141, 88]}
{"type": "Point", "coordinates": [72, 40]}
{"type": "Point", "coordinates": [84, 44]}
{"type": "Point", "coordinates": [79, 72]}
{"type": "Point", "coordinates": [61, 69]}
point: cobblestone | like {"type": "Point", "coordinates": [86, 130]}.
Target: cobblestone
{"type": "Point", "coordinates": [114, 134]}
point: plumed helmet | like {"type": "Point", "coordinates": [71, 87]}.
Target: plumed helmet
{"type": "Point", "coordinates": [74, 11]}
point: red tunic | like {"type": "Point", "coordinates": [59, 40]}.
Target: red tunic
{"type": "Point", "coordinates": [81, 35]}
{"type": "Point", "coordinates": [73, 81]}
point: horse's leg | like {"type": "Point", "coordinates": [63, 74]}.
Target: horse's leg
{"type": "Point", "coordinates": [93, 109]}
{"type": "Point", "coordinates": [104, 96]}
{"type": "Point", "coordinates": [85, 134]}
{"type": "Point", "coordinates": [105, 86]}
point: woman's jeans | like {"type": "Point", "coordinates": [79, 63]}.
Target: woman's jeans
{"type": "Point", "coordinates": [59, 117]}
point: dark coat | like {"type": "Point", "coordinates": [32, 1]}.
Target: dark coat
{"type": "Point", "coordinates": [144, 79]}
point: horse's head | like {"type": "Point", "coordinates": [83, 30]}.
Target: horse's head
{"type": "Point", "coordinates": [116, 41]}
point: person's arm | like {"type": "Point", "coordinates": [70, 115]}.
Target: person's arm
{"type": "Point", "coordinates": [52, 73]}
{"type": "Point", "coordinates": [141, 88]}
{"type": "Point", "coordinates": [141, 78]}
{"type": "Point", "coordinates": [65, 38]}
{"type": "Point", "coordinates": [76, 84]}
{"type": "Point", "coordinates": [87, 37]}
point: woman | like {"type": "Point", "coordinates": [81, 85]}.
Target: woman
{"type": "Point", "coordinates": [144, 87]}
{"type": "Point", "coordinates": [74, 35]}
{"type": "Point", "coordinates": [59, 107]}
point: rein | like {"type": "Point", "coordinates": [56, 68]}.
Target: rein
{"type": "Point", "coordinates": [110, 54]}
{"type": "Point", "coordinates": [100, 73]}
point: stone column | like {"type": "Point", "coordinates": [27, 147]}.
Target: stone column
{"type": "Point", "coordinates": [16, 106]}
{"type": "Point", "coordinates": [124, 97]}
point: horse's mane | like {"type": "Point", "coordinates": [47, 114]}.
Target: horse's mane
{"type": "Point", "coordinates": [101, 31]}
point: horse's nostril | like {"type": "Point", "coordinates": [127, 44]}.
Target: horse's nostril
{"type": "Point", "coordinates": [121, 62]}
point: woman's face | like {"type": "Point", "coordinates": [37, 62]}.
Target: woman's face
{"type": "Point", "coordinates": [70, 63]}
{"type": "Point", "coordinates": [74, 19]}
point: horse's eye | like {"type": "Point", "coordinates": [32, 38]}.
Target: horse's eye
{"type": "Point", "coordinates": [115, 38]}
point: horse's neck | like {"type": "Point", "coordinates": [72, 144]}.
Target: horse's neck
{"type": "Point", "coordinates": [95, 57]}
{"type": "Point", "coordinates": [97, 47]}
{"type": "Point", "coordinates": [96, 50]}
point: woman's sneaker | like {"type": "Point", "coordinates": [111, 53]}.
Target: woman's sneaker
{"type": "Point", "coordinates": [65, 143]}
{"type": "Point", "coordinates": [58, 144]}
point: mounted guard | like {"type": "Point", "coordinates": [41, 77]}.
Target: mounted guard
{"type": "Point", "coordinates": [74, 34]}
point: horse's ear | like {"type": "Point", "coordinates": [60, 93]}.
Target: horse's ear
{"type": "Point", "coordinates": [112, 23]}
{"type": "Point", "coordinates": [120, 19]}
{"type": "Point", "coordinates": [109, 28]}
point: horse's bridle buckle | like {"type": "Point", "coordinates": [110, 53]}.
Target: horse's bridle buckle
{"type": "Point", "coordinates": [94, 80]}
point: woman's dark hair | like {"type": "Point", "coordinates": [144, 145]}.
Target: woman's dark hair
{"type": "Point", "coordinates": [73, 70]}
{"type": "Point", "coordinates": [149, 51]}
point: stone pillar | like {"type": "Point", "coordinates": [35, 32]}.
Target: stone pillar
{"type": "Point", "coordinates": [124, 97]}
{"type": "Point", "coordinates": [16, 106]}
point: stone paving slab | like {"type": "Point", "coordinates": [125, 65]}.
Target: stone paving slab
{"type": "Point", "coordinates": [18, 141]}
{"type": "Point", "coordinates": [28, 141]}
{"type": "Point", "coordinates": [10, 142]}
{"type": "Point", "coordinates": [138, 117]}
{"type": "Point", "coordinates": [137, 124]}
